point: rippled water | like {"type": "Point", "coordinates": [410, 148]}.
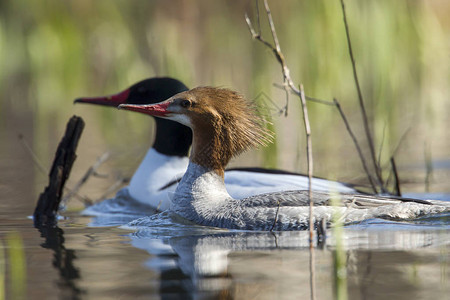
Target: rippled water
{"type": "Point", "coordinates": [159, 256]}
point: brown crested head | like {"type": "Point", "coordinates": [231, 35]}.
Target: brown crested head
{"type": "Point", "coordinates": [224, 124]}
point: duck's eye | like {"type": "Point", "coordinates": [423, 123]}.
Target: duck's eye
{"type": "Point", "coordinates": [185, 103]}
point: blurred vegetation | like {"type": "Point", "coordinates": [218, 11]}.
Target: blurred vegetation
{"type": "Point", "coordinates": [13, 264]}
{"type": "Point", "coordinates": [54, 51]}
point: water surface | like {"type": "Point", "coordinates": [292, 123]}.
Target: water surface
{"type": "Point", "coordinates": [160, 257]}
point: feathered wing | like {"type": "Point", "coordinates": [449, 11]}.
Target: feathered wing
{"type": "Point", "coordinates": [300, 198]}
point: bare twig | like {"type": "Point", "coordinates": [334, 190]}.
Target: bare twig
{"type": "Point", "coordinates": [386, 183]}
{"type": "Point", "coordinates": [347, 126]}
{"type": "Point", "coordinates": [308, 98]}
{"type": "Point", "coordinates": [276, 217]}
{"type": "Point", "coordinates": [288, 82]}
{"type": "Point", "coordinates": [43, 170]}
{"type": "Point", "coordinates": [381, 146]}
{"type": "Point", "coordinates": [275, 49]}
{"type": "Point", "coordinates": [114, 187]}
{"type": "Point", "coordinates": [311, 202]}
{"type": "Point", "coordinates": [355, 141]}
{"type": "Point", "coordinates": [321, 228]}
{"type": "Point", "coordinates": [401, 141]}
{"type": "Point", "coordinates": [289, 86]}
{"type": "Point", "coordinates": [310, 161]}
{"type": "Point", "coordinates": [397, 180]}
{"type": "Point", "coordinates": [278, 110]}
{"type": "Point", "coordinates": [32, 154]}
{"type": "Point", "coordinates": [361, 102]}
{"type": "Point", "coordinates": [91, 171]}
{"type": "Point", "coordinates": [286, 91]}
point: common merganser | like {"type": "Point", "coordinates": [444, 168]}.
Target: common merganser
{"type": "Point", "coordinates": [166, 161]}
{"type": "Point", "coordinates": [156, 178]}
{"type": "Point", "coordinates": [224, 125]}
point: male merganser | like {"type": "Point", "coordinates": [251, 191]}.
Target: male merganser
{"type": "Point", "coordinates": [166, 161]}
{"type": "Point", "coordinates": [224, 125]}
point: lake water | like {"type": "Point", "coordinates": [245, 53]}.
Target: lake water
{"type": "Point", "coordinates": [162, 258]}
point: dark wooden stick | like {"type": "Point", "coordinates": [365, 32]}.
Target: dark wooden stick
{"type": "Point", "coordinates": [48, 203]}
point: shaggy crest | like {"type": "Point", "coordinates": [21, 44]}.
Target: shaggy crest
{"type": "Point", "coordinates": [236, 125]}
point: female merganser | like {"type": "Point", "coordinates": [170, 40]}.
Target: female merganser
{"type": "Point", "coordinates": [166, 161]}
{"type": "Point", "coordinates": [224, 125]}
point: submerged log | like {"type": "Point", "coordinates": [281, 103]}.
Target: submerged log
{"type": "Point", "coordinates": [48, 203]}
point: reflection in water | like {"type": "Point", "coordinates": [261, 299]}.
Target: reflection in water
{"type": "Point", "coordinates": [202, 264]}
{"type": "Point", "coordinates": [117, 211]}
{"type": "Point", "coordinates": [382, 258]}
{"type": "Point", "coordinates": [63, 261]}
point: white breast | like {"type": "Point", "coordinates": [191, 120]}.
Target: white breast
{"type": "Point", "coordinates": [155, 172]}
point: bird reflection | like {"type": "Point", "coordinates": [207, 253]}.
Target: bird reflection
{"type": "Point", "coordinates": [198, 264]}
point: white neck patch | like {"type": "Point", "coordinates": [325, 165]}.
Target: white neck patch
{"type": "Point", "coordinates": [180, 118]}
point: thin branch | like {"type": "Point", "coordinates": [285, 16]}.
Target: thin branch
{"type": "Point", "coordinates": [308, 98]}
{"type": "Point", "coordinates": [286, 91]}
{"type": "Point", "coordinates": [256, 35]}
{"type": "Point", "coordinates": [400, 142]}
{"type": "Point", "coordinates": [289, 84]}
{"type": "Point", "coordinates": [394, 153]}
{"type": "Point", "coordinates": [311, 202]}
{"type": "Point", "coordinates": [91, 171]}
{"type": "Point", "coordinates": [32, 154]}
{"type": "Point", "coordinates": [276, 217]}
{"type": "Point", "coordinates": [275, 50]}
{"type": "Point", "coordinates": [355, 141]}
{"type": "Point", "coordinates": [310, 160]}
{"type": "Point", "coordinates": [288, 81]}
{"type": "Point", "coordinates": [114, 187]}
{"type": "Point", "coordinates": [272, 27]}
{"type": "Point", "coordinates": [397, 180]}
{"type": "Point", "coordinates": [381, 146]}
{"type": "Point", "coordinates": [276, 108]}
{"type": "Point", "coordinates": [361, 101]}
{"type": "Point", "coordinates": [321, 229]}
{"type": "Point", "coordinates": [386, 183]}
{"type": "Point", "coordinates": [258, 18]}
{"type": "Point", "coordinates": [43, 170]}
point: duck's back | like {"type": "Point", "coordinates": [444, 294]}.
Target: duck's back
{"type": "Point", "coordinates": [289, 210]}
